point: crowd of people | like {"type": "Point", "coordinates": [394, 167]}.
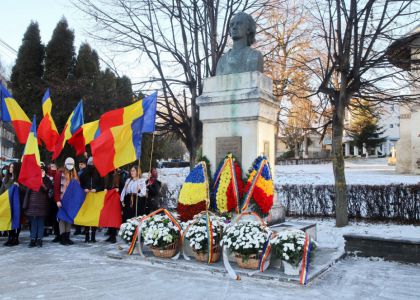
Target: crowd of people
{"type": "Point", "coordinates": [39, 209]}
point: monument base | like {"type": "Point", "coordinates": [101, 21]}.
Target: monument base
{"type": "Point", "coordinates": [239, 115]}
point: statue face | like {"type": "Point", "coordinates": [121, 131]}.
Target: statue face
{"type": "Point", "coordinates": [239, 27]}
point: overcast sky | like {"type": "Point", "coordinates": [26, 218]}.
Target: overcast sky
{"type": "Point", "coordinates": [17, 14]}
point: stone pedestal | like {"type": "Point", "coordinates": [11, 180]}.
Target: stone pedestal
{"type": "Point", "coordinates": [239, 115]}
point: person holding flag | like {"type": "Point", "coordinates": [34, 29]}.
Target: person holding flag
{"type": "Point", "coordinates": [62, 179]}
{"type": "Point", "coordinates": [91, 182]}
{"type": "Point", "coordinates": [12, 178]}
{"type": "Point", "coordinates": [35, 206]}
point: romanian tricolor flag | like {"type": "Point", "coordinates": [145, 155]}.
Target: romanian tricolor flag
{"type": "Point", "coordinates": [194, 193]}
{"type": "Point", "coordinates": [259, 187]}
{"type": "Point", "coordinates": [149, 112]}
{"type": "Point", "coordinates": [74, 122]}
{"type": "Point", "coordinates": [228, 186]}
{"type": "Point", "coordinates": [145, 108]}
{"type": "Point", "coordinates": [47, 131]}
{"type": "Point", "coordinates": [100, 209]}
{"type": "Point", "coordinates": [82, 137]}
{"type": "Point", "coordinates": [117, 146]}
{"type": "Point", "coordinates": [10, 209]}
{"type": "Point", "coordinates": [12, 112]}
{"type": "Point", "coordinates": [30, 171]}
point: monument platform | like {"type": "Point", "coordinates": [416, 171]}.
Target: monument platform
{"type": "Point", "coordinates": [321, 260]}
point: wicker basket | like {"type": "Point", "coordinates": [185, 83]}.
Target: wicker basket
{"type": "Point", "coordinates": [250, 263]}
{"type": "Point", "coordinates": [203, 256]}
{"type": "Point", "coordinates": [167, 252]}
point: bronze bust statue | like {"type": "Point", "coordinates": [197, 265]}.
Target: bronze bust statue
{"type": "Point", "coordinates": [241, 58]}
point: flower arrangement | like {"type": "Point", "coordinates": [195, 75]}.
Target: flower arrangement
{"type": "Point", "coordinates": [228, 185]}
{"type": "Point", "coordinates": [160, 232]}
{"type": "Point", "coordinates": [197, 233]}
{"type": "Point", "coordinates": [259, 187]}
{"type": "Point", "coordinates": [246, 239]}
{"type": "Point", "coordinates": [127, 229]}
{"type": "Point", "coordinates": [193, 194]}
{"type": "Point", "coordinates": [288, 246]}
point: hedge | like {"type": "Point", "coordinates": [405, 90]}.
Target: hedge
{"type": "Point", "coordinates": [397, 202]}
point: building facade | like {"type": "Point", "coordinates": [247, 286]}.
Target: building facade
{"type": "Point", "coordinates": [7, 138]}
{"type": "Point", "coordinates": [405, 53]}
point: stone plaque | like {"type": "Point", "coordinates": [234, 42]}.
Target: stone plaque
{"type": "Point", "coordinates": [224, 145]}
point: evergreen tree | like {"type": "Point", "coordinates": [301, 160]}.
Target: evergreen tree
{"type": "Point", "coordinates": [124, 91]}
{"type": "Point", "coordinates": [87, 78]}
{"type": "Point", "coordinates": [364, 128]}
{"type": "Point", "coordinates": [108, 89]}
{"type": "Point", "coordinates": [59, 72]}
{"type": "Point", "coordinates": [26, 79]}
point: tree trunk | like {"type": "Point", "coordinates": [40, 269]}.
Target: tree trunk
{"type": "Point", "coordinates": [193, 151]}
{"type": "Point", "coordinates": [305, 145]}
{"type": "Point", "coordinates": [296, 150]}
{"type": "Point", "coordinates": [341, 213]}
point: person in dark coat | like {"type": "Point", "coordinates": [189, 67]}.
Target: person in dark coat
{"type": "Point", "coordinates": [36, 207]}
{"type": "Point", "coordinates": [4, 175]}
{"type": "Point", "coordinates": [153, 186]}
{"type": "Point", "coordinates": [82, 168]}
{"type": "Point", "coordinates": [51, 219]}
{"type": "Point", "coordinates": [12, 178]}
{"type": "Point", "coordinates": [91, 182]}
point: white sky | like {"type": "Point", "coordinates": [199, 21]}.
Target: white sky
{"type": "Point", "coordinates": [17, 14]}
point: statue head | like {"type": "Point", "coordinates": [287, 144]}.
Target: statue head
{"type": "Point", "coordinates": [243, 25]}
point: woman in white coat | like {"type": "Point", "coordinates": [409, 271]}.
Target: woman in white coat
{"type": "Point", "coordinates": [133, 195]}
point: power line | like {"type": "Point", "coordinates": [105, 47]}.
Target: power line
{"type": "Point", "coordinates": [7, 46]}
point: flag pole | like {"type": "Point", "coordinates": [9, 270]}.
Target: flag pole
{"type": "Point", "coordinates": [207, 185]}
{"type": "Point", "coordinates": [151, 153]}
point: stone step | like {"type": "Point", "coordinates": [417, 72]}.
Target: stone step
{"type": "Point", "coordinates": [393, 249]}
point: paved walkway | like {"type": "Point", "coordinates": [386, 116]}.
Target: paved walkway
{"type": "Point", "coordinates": [84, 272]}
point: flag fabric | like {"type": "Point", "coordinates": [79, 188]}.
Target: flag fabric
{"type": "Point", "coordinates": [100, 209]}
{"type": "Point", "coordinates": [117, 146]}
{"type": "Point", "coordinates": [259, 189]}
{"type": "Point", "coordinates": [145, 107]}
{"type": "Point", "coordinates": [30, 171]}
{"type": "Point", "coordinates": [83, 136]}
{"type": "Point", "coordinates": [307, 247]}
{"type": "Point", "coordinates": [10, 209]}
{"type": "Point", "coordinates": [149, 112]}
{"type": "Point", "coordinates": [193, 196]}
{"type": "Point", "coordinates": [228, 185]}
{"type": "Point", "coordinates": [74, 122]}
{"type": "Point", "coordinates": [47, 131]}
{"type": "Point", "coordinates": [12, 112]}
{"type": "Point", "coordinates": [120, 116]}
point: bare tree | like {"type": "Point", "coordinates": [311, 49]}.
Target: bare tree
{"type": "Point", "coordinates": [286, 42]}
{"type": "Point", "coordinates": [355, 35]}
{"type": "Point", "coordinates": [183, 41]}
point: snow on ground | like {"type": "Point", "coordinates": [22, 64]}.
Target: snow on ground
{"type": "Point", "coordinates": [332, 237]}
{"type": "Point", "coordinates": [360, 171]}
{"type": "Point", "coordinates": [83, 271]}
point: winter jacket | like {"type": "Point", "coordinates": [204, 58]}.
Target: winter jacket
{"type": "Point", "coordinates": [36, 204]}
{"type": "Point", "coordinates": [91, 180]}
